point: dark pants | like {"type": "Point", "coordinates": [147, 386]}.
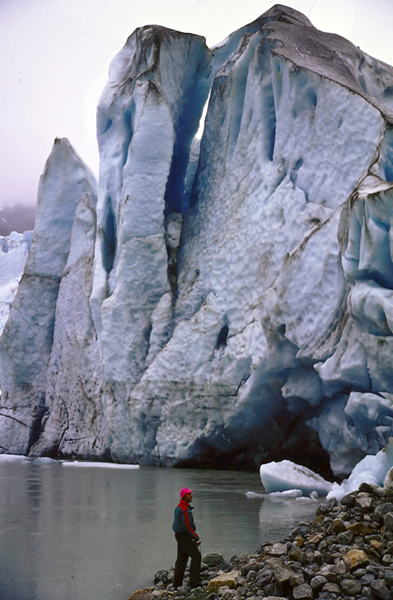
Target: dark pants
{"type": "Point", "coordinates": [186, 547]}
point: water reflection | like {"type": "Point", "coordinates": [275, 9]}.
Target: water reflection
{"type": "Point", "coordinates": [278, 518]}
{"type": "Point", "coordinates": [100, 533]}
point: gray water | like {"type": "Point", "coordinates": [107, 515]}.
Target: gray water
{"type": "Point", "coordinates": [70, 533]}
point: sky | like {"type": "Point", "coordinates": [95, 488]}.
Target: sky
{"type": "Point", "coordinates": [55, 55]}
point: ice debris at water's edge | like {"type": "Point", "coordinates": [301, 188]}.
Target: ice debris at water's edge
{"type": "Point", "coordinates": [288, 480]}
{"type": "Point", "coordinates": [283, 496]}
{"type": "Point", "coordinates": [372, 469]}
{"type": "Point", "coordinates": [226, 302]}
{"type": "Point", "coordinates": [99, 465]}
{"type": "Point", "coordinates": [7, 458]}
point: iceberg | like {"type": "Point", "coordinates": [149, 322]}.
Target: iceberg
{"type": "Point", "coordinates": [97, 465]}
{"type": "Point", "coordinates": [286, 479]}
{"type": "Point", "coordinates": [371, 469]}
{"type": "Point", "coordinates": [224, 301]}
{"type": "Point", "coordinates": [5, 458]}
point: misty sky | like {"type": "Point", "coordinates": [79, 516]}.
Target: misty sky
{"type": "Point", "coordinates": [54, 58]}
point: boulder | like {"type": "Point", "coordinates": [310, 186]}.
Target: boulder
{"type": "Point", "coordinates": [213, 559]}
{"type": "Point", "coordinates": [230, 579]}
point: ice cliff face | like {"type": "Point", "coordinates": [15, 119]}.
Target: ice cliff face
{"type": "Point", "coordinates": [227, 301]}
{"type": "Point", "coordinates": [27, 338]}
{"type": "Point", "coordinates": [13, 253]}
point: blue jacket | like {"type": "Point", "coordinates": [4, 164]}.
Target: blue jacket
{"type": "Point", "coordinates": [184, 521]}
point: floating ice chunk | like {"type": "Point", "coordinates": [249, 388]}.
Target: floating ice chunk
{"type": "Point", "coordinates": [12, 457]}
{"type": "Point", "coordinates": [313, 497]}
{"type": "Point", "coordinates": [371, 469]}
{"type": "Point", "coordinates": [286, 494]}
{"type": "Point", "coordinates": [102, 465]}
{"type": "Point", "coordinates": [286, 475]}
{"type": "Point", "coordinates": [255, 495]}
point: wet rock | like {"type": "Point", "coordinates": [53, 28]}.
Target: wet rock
{"type": "Point", "coordinates": [355, 559]}
{"type": "Point", "coordinates": [213, 559]}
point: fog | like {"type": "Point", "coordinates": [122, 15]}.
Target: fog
{"type": "Point", "coordinates": [54, 58]}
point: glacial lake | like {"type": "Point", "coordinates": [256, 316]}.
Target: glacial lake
{"type": "Point", "coordinates": [73, 533]}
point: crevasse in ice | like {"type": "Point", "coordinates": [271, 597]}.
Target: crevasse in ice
{"type": "Point", "coordinates": [222, 302]}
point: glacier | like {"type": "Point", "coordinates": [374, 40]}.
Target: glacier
{"type": "Point", "coordinates": [14, 249]}
{"type": "Point", "coordinates": [373, 469]}
{"type": "Point", "coordinates": [223, 301]}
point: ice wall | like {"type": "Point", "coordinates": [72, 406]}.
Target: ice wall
{"type": "Point", "coordinates": [26, 342]}
{"type": "Point", "coordinates": [13, 253]}
{"type": "Point", "coordinates": [228, 302]}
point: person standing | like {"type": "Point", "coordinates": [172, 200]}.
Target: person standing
{"type": "Point", "coordinates": [187, 541]}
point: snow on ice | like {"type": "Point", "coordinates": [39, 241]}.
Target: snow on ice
{"type": "Point", "coordinates": [223, 301]}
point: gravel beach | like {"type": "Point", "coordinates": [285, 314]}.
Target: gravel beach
{"type": "Point", "coordinates": [345, 553]}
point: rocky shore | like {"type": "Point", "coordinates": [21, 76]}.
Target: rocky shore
{"type": "Point", "coordinates": [345, 553]}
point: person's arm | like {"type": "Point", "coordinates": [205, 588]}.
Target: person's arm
{"type": "Point", "coordinates": [185, 520]}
